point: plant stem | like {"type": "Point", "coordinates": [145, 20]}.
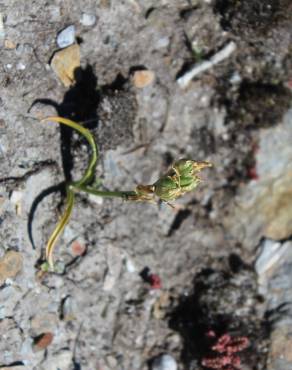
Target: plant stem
{"type": "Point", "coordinates": [89, 173]}
{"type": "Point", "coordinates": [60, 226]}
{"type": "Point", "coordinates": [126, 195]}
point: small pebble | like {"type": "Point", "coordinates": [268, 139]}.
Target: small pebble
{"type": "Point", "coordinates": [10, 265]}
{"type": "Point", "coordinates": [130, 266]}
{"type": "Point", "coordinates": [95, 199]}
{"type": "Point", "coordinates": [112, 361]}
{"type": "Point", "coordinates": [163, 42]}
{"type": "Point", "coordinates": [88, 20]}
{"type": "Point", "coordinates": [164, 362]}
{"type": "Point", "coordinates": [9, 44]}
{"type": "Point", "coordinates": [65, 62]}
{"type": "Point", "coordinates": [16, 199]}
{"type": "Point", "coordinates": [66, 37]}
{"type": "Point", "coordinates": [68, 309]}
{"type": "Point", "coordinates": [20, 66]}
{"type": "Point", "coordinates": [143, 78]}
{"type": "Point", "coordinates": [43, 341]}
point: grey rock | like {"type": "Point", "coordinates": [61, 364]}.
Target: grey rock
{"type": "Point", "coordinates": [164, 362]}
{"type": "Point", "coordinates": [66, 37]}
{"type": "Point", "coordinates": [266, 201]}
{"type": "Point", "coordinates": [273, 266]}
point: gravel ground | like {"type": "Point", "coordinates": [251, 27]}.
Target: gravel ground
{"type": "Point", "coordinates": [142, 286]}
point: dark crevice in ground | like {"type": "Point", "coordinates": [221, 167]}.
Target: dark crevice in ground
{"type": "Point", "coordinates": [249, 108]}
{"type": "Point", "coordinates": [179, 219]}
{"type": "Point", "coordinates": [254, 18]}
{"type": "Point", "coordinates": [36, 168]}
{"type": "Point", "coordinates": [16, 363]}
{"type": "Point", "coordinates": [225, 302]}
{"type": "Point", "coordinates": [36, 202]}
{"type": "Point", "coordinates": [255, 105]}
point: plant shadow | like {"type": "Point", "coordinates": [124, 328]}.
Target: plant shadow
{"type": "Point", "coordinates": [219, 304]}
{"type": "Point", "coordinates": [79, 104]}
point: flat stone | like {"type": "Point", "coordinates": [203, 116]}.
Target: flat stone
{"type": "Point", "coordinates": [65, 62]}
{"type": "Point", "coordinates": [263, 208]}
{"type": "Point", "coordinates": [273, 266]}
{"type": "Point", "coordinates": [10, 265]}
{"type": "Point", "coordinates": [9, 44]}
{"type": "Point", "coordinates": [43, 341]}
{"type": "Point", "coordinates": [270, 253]}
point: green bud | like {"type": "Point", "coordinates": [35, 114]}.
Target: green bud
{"type": "Point", "coordinates": [180, 179]}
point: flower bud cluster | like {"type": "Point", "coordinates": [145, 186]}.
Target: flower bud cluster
{"type": "Point", "coordinates": [181, 178]}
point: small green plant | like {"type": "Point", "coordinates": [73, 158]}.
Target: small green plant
{"type": "Point", "coordinates": [181, 178]}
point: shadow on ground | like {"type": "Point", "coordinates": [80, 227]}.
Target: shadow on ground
{"type": "Point", "coordinates": [222, 302]}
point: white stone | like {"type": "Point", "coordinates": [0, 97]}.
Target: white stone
{"type": "Point", "coordinates": [88, 20]}
{"type": "Point", "coordinates": [95, 199]}
{"type": "Point", "coordinates": [130, 266]}
{"type": "Point", "coordinates": [66, 37]}
{"type": "Point", "coordinates": [163, 42]}
{"type": "Point", "coordinates": [164, 362]}
{"type": "Point", "coordinates": [270, 254]}
{"type": "Point", "coordinates": [20, 66]}
{"type": "Point", "coordinates": [235, 78]}
{"type": "Point", "coordinates": [16, 197]}
{"type": "Point", "coordinates": [222, 54]}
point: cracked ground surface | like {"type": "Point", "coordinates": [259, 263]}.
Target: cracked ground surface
{"type": "Point", "coordinates": [96, 312]}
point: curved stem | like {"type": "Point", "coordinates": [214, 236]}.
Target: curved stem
{"type": "Point", "coordinates": [89, 173]}
{"type": "Point", "coordinates": [60, 226]}
{"type": "Point", "coordinates": [86, 178]}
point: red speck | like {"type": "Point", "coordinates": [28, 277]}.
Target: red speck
{"type": "Point", "coordinates": [155, 281]}
{"type": "Point", "coordinates": [78, 249]}
{"type": "Point", "coordinates": [225, 351]}
{"type": "Point", "coordinates": [211, 334]}
{"type": "Point", "coordinates": [252, 173]}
